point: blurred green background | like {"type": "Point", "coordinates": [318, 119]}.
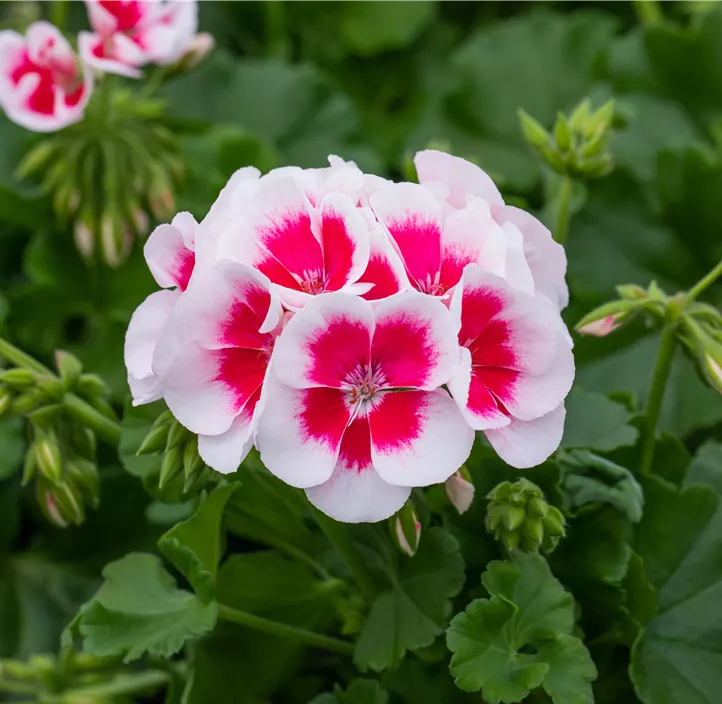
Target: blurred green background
{"type": "Point", "coordinates": [290, 83]}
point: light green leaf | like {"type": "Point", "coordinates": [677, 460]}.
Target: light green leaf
{"type": "Point", "coordinates": [358, 692]}
{"type": "Point", "coordinates": [527, 607]}
{"type": "Point", "coordinates": [596, 422]}
{"type": "Point", "coordinates": [194, 546]}
{"type": "Point", "coordinates": [140, 609]}
{"type": "Point", "coordinates": [589, 479]}
{"type": "Point", "coordinates": [678, 656]}
{"type": "Point", "coordinates": [414, 612]}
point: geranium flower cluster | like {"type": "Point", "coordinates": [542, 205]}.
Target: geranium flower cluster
{"type": "Point", "coordinates": [45, 86]}
{"type": "Point", "coordinates": [357, 331]}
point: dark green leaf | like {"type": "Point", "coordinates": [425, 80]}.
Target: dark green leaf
{"type": "Point", "coordinates": [194, 546]}
{"type": "Point", "coordinates": [596, 422]}
{"type": "Point", "coordinates": [358, 692]}
{"type": "Point", "coordinates": [415, 611]}
{"type": "Point", "coordinates": [12, 445]}
{"type": "Point", "coordinates": [140, 609]}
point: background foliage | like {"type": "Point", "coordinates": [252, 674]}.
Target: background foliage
{"type": "Point", "coordinates": [374, 81]}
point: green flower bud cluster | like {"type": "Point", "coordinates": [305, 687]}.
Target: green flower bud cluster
{"type": "Point", "coordinates": [578, 144]}
{"type": "Point", "coordinates": [180, 454]}
{"type": "Point", "coordinates": [61, 455]}
{"type": "Point", "coordinates": [107, 173]}
{"type": "Point", "coordinates": [519, 517]}
{"type": "Point", "coordinates": [632, 300]}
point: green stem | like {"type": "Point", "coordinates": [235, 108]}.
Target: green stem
{"type": "Point", "coordinates": [563, 208]}
{"type": "Point", "coordinates": [102, 426]}
{"type": "Point", "coordinates": [59, 13]}
{"type": "Point", "coordinates": [648, 11]}
{"type": "Point", "coordinates": [283, 630]}
{"type": "Point", "coordinates": [704, 283]}
{"type": "Point", "coordinates": [338, 535]}
{"type": "Point", "coordinates": [124, 684]}
{"type": "Point", "coordinates": [662, 366]}
{"type": "Point", "coordinates": [20, 359]}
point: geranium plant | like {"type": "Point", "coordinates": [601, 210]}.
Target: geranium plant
{"type": "Point", "coordinates": [346, 459]}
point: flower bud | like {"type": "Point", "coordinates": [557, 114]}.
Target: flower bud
{"type": "Point", "coordinates": [520, 518]}
{"type": "Point", "coordinates": [26, 402]}
{"type": "Point", "coordinates": [91, 385]}
{"type": "Point", "coordinates": [406, 529]}
{"type": "Point", "coordinates": [18, 378]}
{"type": "Point", "coordinates": [704, 342]}
{"type": "Point", "coordinates": [192, 462]}
{"type": "Point", "coordinates": [6, 397]}
{"type": "Point", "coordinates": [50, 386]}
{"type": "Point", "coordinates": [632, 292]}
{"type": "Point", "coordinates": [534, 133]}
{"type": "Point", "coordinates": [712, 368]}
{"type": "Point", "coordinates": [70, 368]}
{"type": "Point", "coordinates": [199, 47]}
{"type": "Point", "coordinates": [171, 466]}
{"type": "Point", "coordinates": [29, 467]}
{"type": "Point", "coordinates": [48, 505]}
{"type": "Point", "coordinates": [84, 442]}
{"type": "Point", "coordinates": [177, 435]}
{"type": "Point", "coordinates": [460, 490]}
{"type": "Point", "coordinates": [84, 238]}
{"type": "Point", "coordinates": [49, 458]}
{"type": "Point", "coordinates": [562, 134]}
{"type": "Point", "coordinates": [603, 320]}
{"type": "Point", "coordinates": [155, 441]}
{"type": "Point", "coordinates": [84, 475]}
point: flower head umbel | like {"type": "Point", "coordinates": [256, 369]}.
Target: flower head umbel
{"type": "Point", "coordinates": [516, 367]}
{"type": "Point", "coordinates": [131, 33]}
{"type": "Point", "coordinates": [170, 254]}
{"type": "Point", "coordinates": [42, 85]}
{"type": "Point", "coordinates": [354, 411]}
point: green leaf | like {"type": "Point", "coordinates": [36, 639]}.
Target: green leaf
{"type": "Point", "coordinates": [678, 656]}
{"type": "Point", "coordinates": [589, 479]}
{"type": "Point", "coordinates": [359, 692]}
{"type": "Point", "coordinates": [370, 28]}
{"type": "Point", "coordinates": [596, 422]}
{"type": "Point", "coordinates": [12, 445]}
{"type": "Point", "coordinates": [414, 612]}
{"type": "Point", "coordinates": [519, 639]}
{"type": "Point", "coordinates": [194, 546]}
{"type": "Point", "coordinates": [140, 609]}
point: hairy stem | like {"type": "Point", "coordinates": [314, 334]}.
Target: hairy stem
{"type": "Point", "coordinates": [563, 208]}
{"type": "Point", "coordinates": [662, 366]}
{"type": "Point", "coordinates": [338, 535]}
{"type": "Point", "coordinates": [704, 283]}
{"type": "Point", "coordinates": [283, 630]}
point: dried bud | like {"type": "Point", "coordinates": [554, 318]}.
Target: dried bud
{"type": "Point", "coordinates": [520, 518]}
{"type": "Point", "coordinates": [460, 490]}
{"type": "Point", "coordinates": [406, 529]}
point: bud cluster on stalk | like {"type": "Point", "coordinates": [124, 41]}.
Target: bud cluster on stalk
{"type": "Point", "coordinates": [61, 457]}
{"type": "Point", "coordinates": [520, 518]}
{"type": "Point", "coordinates": [578, 144]}
{"type": "Point", "coordinates": [179, 448]}
{"type": "Point", "coordinates": [111, 173]}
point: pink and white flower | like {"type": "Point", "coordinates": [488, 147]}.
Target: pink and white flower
{"type": "Point", "coordinates": [128, 34]}
{"type": "Point", "coordinates": [516, 367]}
{"type": "Point", "coordinates": [42, 85]}
{"type": "Point", "coordinates": [461, 181]}
{"type": "Point", "coordinates": [170, 254]}
{"type": "Point", "coordinates": [213, 379]}
{"type": "Point", "coordinates": [306, 242]}
{"type": "Point", "coordinates": [354, 411]}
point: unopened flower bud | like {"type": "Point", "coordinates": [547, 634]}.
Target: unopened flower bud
{"type": "Point", "coordinates": [84, 238]}
{"type": "Point", "coordinates": [18, 378]}
{"type": "Point", "coordinates": [534, 133]}
{"type": "Point", "coordinates": [70, 368]}
{"type": "Point", "coordinates": [704, 342]}
{"type": "Point", "coordinates": [84, 442]}
{"type": "Point", "coordinates": [171, 466]}
{"type": "Point", "coordinates": [177, 435]}
{"type": "Point", "coordinates": [26, 402]}
{"type": "Point", "coordinates": [603, 320]}
{"type": "Point", "coordinates": [406, 529]}
{"type": "Point", "coordinates": [49, 507]}
{"type": "Point", "coordinates": [713, 371]}
{"type": "Point", "coordinates": [50, 386]}
{"type": "Point", "coordinates": [6, 397]}
{"type": "Point", "coordinates": [192, 462]}
{"type": "Point", "coordinates": [30, 465]}
{"type": "Point", "coordinates": [49, 458]}
{"type": "Point", "coordinates": [632, 292]}
{"type": "Point", "coordinates": [520, 518]}
{"type": "Point", "coordinates": [91, 385]}
{"type": "Point", "coordinates": [84, 474]}
{"type": "Point", "coordinates": [562, 134]}
{"type": "Point", "coordinates": [199, 47]}
{"type": "Point", "coordinates": [460, 490]}
{"type": "Point", "coordinates": [155, 441]}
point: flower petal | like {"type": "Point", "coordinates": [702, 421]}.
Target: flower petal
{"type": "Point", "coordinates": [414, 343]}
{"type": "Point", "coordinates": [325, 342]}
{"type": "Point", "coordinates": [412, 217]}
{"type": "Point", "coordinates": [461, 177]}
{"type": "Point", "coordinates": [418, 437]}
{"type": "Point", "coordinates": [355, 493]}
{"type": "Point", "coordinates": [226, 451]}
{"type": "Point", "coordinates": [299, 432]}
{"type": "Point", "coordinates": [385, 269]}
{"type": "Point", "coordinates": [144, 329]}
{"type": "Point", "coordinates": [524, 444]}
{"type": "Point", "coordinates": [169, 259]}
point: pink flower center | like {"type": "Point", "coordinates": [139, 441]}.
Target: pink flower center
{"type": "Point", "coordinates": [313, 284]}
{"type": "Point", "coordinates": [432, 287]}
